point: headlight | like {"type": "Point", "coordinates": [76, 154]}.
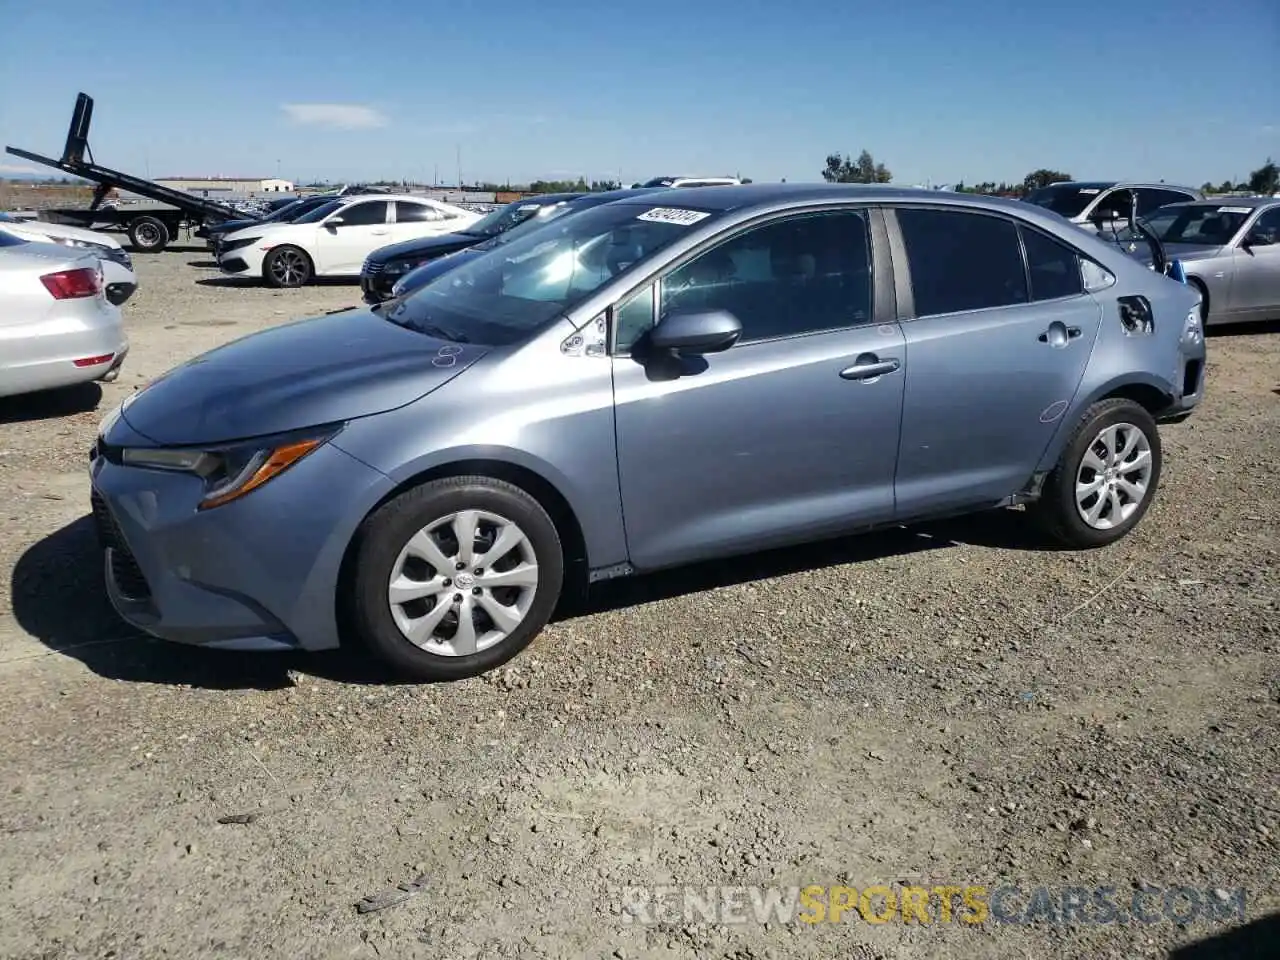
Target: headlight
{"type": "Point", "coordinates": [231, 471]}
{"type": "Point", "coordinates": [1192, 330]}
{"type": "Point", "coordinates": [73, 242]}
{"type": "Point", "coordinates": [237, 244]}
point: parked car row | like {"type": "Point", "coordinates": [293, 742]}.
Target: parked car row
{"type": "Point", "coordinates": [561, 403]}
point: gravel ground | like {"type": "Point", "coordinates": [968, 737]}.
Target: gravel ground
{"type": "Point", "coordinates": [951, 704]}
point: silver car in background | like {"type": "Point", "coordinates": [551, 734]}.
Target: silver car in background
{"type": "Point", "coordinates": [1230, 250]}
{"type": "Point", "coordinates": [1105, 205]}
{"type": "Point", "coordinates": [118, 276]}
{"type": "Point", "coordinates": [57, 328]}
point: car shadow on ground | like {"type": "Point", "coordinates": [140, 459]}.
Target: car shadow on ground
{"type": "Point", "coordinates": [255, 282]}
{"type": "Point", "coordinates": [50, 404]}
{"type": "Point", "coordinates": [58, 598]}
{"type": "Point", "coordinates": [1253, 941]}
{"type": "Point", "coordinates": [1254, 328]}
{"type": "Point", "coordinates": [203, 264]}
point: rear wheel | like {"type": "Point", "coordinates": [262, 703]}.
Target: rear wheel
{"type": "Point", "coordinates": [455, 577]}
{"type": "Point", "coordinates": [1106, 478]}
{"type": "Point", "coordinates": [287, 267]}
{"type": "Point", "coordinates": [148, 234]}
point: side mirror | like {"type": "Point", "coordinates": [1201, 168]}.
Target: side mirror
{"type": "Point", "coordinates": [696, 332]}
{"type": "Point", "coordinates": [1256, 239]}
{"type": "Point", "coordinates": [333, 222]}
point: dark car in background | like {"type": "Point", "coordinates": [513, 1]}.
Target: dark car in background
{"type": "Point", "coordinates": [285, 213]}
{"type": "Point", "coordinates": [388, 264]}
{"type": "Point", "coordinates": [428, 271]}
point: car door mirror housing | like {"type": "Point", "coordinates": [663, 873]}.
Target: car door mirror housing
{"type": "Point", "coordinates": [334, 222]}
{"type": "Point", "coordinates": [696, 331]}
{"type": "Point", "coordinates": [1256, 239]}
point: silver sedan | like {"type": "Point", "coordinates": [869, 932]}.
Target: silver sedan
{"type": "Point", "coordinates": [1230, 248]}
{"type": "Point", "coordinates": [56, 327]}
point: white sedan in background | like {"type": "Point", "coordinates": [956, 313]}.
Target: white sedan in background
{"type": "Point", "coordinates": [117, 266]}
{"type": "Point", "coordinates": [57, 328]}
{"type": "Point", "coordinates": [333, 240]}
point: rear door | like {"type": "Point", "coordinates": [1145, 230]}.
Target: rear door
{"type": "Point", "coordinates": [998, 331]}
{"type": "Point", "coordinates": [342, 247]}
{"type": "Point", "coordinates": [416, 219]}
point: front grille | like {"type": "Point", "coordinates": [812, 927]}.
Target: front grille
{"type": "Point", "coordinates": [372, 268]}
{"type": "Point", "coordinates": [124, 568]}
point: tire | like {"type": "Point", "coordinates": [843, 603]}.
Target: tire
{"type": "Point", "coordinates": [437, 595]}
{"type": "Point", "coordinates": [1058, 511]}
{"type": "Point", "coordinates": [148, 234]}
{"type": "Point", "coordinates": [287, 266]}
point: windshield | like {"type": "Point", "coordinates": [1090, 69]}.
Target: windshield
{"type": "Point", "coordinates": [516, 288]}
{"type": "Point", "coordinates": [280, 213]}
{"type": "Point", "coordinates": [1203, 224]}
{"type": "Point", "coordinates": [1068, 200]}
{"type": "Point", "coordinates": [504, 218]}
{"type": "Point", "coordinates": [320, 212]}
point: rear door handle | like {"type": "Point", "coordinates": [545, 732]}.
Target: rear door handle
{"type": "Point", "coordinates": [1059, 334]}
{"type": "Point", "coordinates": [869, 367]}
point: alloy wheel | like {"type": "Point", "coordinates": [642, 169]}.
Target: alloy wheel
{"type": "Point", "coordinates": [1114, 476]}
{"type": "Point", "coordinates": [463, 583]}
{"type": "Point", "coordinates": [288, 268]}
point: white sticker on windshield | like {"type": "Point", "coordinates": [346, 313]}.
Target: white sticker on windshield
{"type": "Point", "coordinates": [673, 215]}
{"type": "Point", "coordinates": [1090, 191]}
{"type": "Point", "coordinates": [1245, 210]}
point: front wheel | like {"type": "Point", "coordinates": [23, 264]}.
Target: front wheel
{"type": "Point", "coordinates": [455, 577]}
{"type": "Point", "coordinates": [287, 267]}
{"type": "Point", "coordinates": [1106, 478]}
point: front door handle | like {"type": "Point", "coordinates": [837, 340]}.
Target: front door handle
{"type": "Point", "coordinates": [1059, 334]}
{"type": "Point", "coordinates": [380, 233]}
{"type": "Point", "coordinates": [868, 367]}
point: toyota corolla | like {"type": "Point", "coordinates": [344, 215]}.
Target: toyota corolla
{"type": "Point", "coordinates": [651, 382]}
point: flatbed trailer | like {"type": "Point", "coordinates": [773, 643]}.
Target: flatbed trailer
{"type": "Point", "coordinates": [150, 228]}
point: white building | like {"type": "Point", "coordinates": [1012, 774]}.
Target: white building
{"type": "Point", "coordinates": [213, 186]}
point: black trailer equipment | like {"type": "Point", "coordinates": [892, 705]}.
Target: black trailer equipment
{"type": "Point", "coordinates": [150, 228]}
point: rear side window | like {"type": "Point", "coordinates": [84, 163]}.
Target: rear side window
{"type": "Point", "coordinates": [1053, 266]}
{"type": "Point", "coordinates": [962, 261]}
{"type": "Point", "coordinates": [415, 212]}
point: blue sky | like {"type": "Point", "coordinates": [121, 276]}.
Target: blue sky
{"type": "Point", "coordinates": [938, 91]}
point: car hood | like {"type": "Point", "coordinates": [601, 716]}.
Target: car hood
{"type": "Point", "coordinates": [231, 226]}
{"type": "Point", "coordinates": [323, 370]}
{"type": "Point", "coordinates": [1187, 252]}
{"type": "Point", "coordinates": [424, 247]}
{"type": "Point", "coordinates": [274, 231]}
{"type": "Point", "coordinates": [36, 229]}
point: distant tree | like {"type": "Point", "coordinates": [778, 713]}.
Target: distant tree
{"type": "Point", "coordinates": [1043, 178]}
{"type": "Point", "coordinates": [1266, 179]}
{"type": "Point", "coordinates": [602, 186]}
{"type": "Point", "coordinates": [842, 169]}
{"type": "Point", "coordinates": [1226, 186]}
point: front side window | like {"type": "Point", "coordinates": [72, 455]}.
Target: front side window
{"type": "Point", "coordinates": [961, 261]}
{"type": "Point", "coordinates": [1054, 267]}
{"type": "Point", "coordinates": [363, 214]}
{"type": "Point", "coordinates": [1150, 199]}
{"type": "Point", "coordinates": [801, 275]}
{"type": "Point", "coordinates": [1267, 226]}
{"type": "Point", "coordinates": [514, 289]}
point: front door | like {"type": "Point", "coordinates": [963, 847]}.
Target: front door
{"type": "Point", "coordinates": [783, 437]}
{"type": "Point", "coordinates": [1256, 290]}
{"type": "Point", "coordinates": [996, 352]}
{"type": "Point", "coordinates": [342, 247]}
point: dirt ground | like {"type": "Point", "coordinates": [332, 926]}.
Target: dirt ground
{"type": "Point", "coordinates": [951, 704]}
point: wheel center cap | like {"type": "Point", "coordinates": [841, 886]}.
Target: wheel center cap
{"type": "Point", "coordinates": [465, 580]}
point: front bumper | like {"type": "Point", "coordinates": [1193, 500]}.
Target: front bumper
{"type": "Point", "coordinates": [375, 285]}
{"type": "Point", "coordinates": [258, 573]}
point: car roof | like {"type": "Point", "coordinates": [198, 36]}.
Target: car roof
{"type": "Point", "coordinates": [765, 195]}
